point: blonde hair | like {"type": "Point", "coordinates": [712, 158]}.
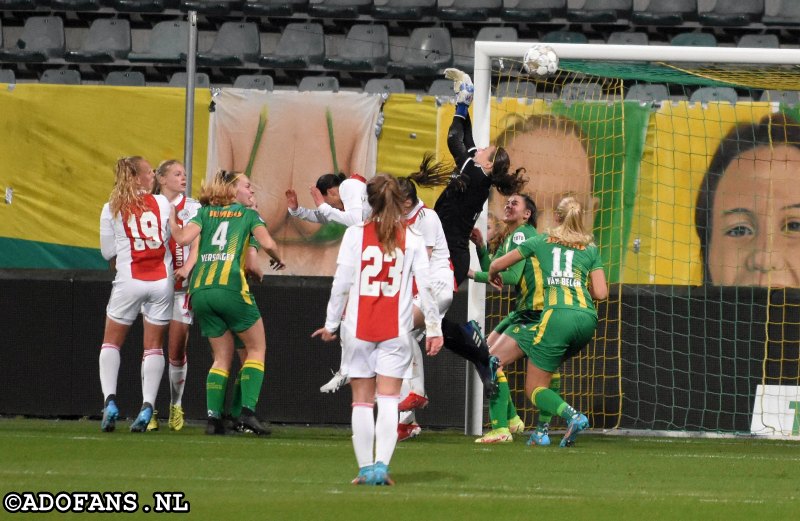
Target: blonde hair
{"type": "Point", "coordinates": [222, 189]}
{"type": "Point", "coordinates": [386, 200]}
{"type": "Point", "coordinates": [126, 196]}
{"type": "Point", "coordinates": [161, 172]}
{"type": "Point", "coordinates": [570, 229]}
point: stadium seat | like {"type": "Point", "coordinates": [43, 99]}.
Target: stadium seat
{"type": "Point", "coordinates": [61, 77]}
{"type": "Point", "coordinates": [402, 9]}
{"type": "Point", "coordinates": [138, 6]}
{"type": "Point", "coordinates": [254, 81]}
{"type": "Point", "coordinates": [7, 76]}
{"type": "Point", "coordinates": [18, 5]}
{"type": "Point", "coordinates": [583, 91]}
{"type": "Point", "coordinates": [694, 40]}
{"type": "Point", "coordinates": [466, 60]}
{"type": "Point", "coordinates": [180, 79]}
{"type": "Point", "coordinates": [782, 12]}
{"type": "Point", "coordinates": [168, 43]}
{"type": "Point", "coordinates": [365, 47]}
{"type": "Point", "coordinates": [647, 92]}
{"type": "Point", "coordinates": [598, 11]}
{"type": "Point", "coordinates": [42, 39]}
{"type": "Point", "coordinates": [768, 41]}
{"type": "Point", "coordinates": [787, 97]}
{"type": "Point", "coordinates": [108, 39]}
{"type": "Point", "coordinates": [125, 79]}
{"type": "Point", "coordinates": [564, 37]}
{"type": "Point", "coordinates": [428, 53]}
{"type": "Point", "coordinates": [718, 94]}
{"type": "Point", "coordinates": [235, 44]}
{"type": "Point", "coordinates": [441, 88]}
{"type": "Point", "coordinates": [385, 86]}
{"type": "Point", "coordinates": [628, 38]}
{"type": "Point", "coordinates": [728, 13]}
{"type": "Point", "coordinates": [468, 10]}
{"type": "Point", "coordinates": [274, 7]}
{"type": "Point", "coordinates": [75, 5]}
{"type": "Point", "coordinates": [515, 89]}
{"type": "Point", "coordinates": [300, 46]}
{"type": "Point", "coordinates": [663, 12]}
{"type": "Point", "coordinates": [318, 83]}
{"type": "Point", "coordinates": [533, 10]}
{"type": "Point", "coordinates": [212, 7]}
{"type": "Point", "coordinates": [338, 8]}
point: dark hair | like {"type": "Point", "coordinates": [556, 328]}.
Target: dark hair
{"type": "Point", "coordinates": [328, 181]}
{"type": "Point", "coordinates": [430, 173]}
{"type": "Point", "coordinates": [530, 205]}
{"type": "Point", "coordinates": [506, 183]}
{"type": "Point", "coordinates": [771, 130]}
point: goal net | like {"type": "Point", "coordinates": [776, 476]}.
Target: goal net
{"type": "Point", "coordinates": [690, 174]}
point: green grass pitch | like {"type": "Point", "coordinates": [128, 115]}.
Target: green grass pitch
{"type": "Point", "coordinates": [304, 473]}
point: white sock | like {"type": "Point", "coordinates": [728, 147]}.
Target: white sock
{"type": "Point", "coordinates": [109, 369]}
{"type": "Point", "coordinates": [386, 428]}
{"type": "Point", "coordinates": [177, 380]}
{"type": "Point", "coordinates": [152, 371]}
{"type": "Point", "coordinates": [417, 380]}
{"type": "Point", "coordinates": [363, 424]}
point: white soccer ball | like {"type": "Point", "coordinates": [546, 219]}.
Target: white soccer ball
{"type": "Point", "coordinates": [540, 60]}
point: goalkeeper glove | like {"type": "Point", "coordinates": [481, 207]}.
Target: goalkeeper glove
{"type": "Point", "coordinates": [462, 85]}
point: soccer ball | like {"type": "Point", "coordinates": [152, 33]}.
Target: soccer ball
{"type": "Point", "coordinates": [540, 60]}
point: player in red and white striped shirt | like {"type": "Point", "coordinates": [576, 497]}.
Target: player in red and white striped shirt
{"type": "Point", "coordinates": [375, 267]}
{"type": "Point", "coordinates": [134, 230]}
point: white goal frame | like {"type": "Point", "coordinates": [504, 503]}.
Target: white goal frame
{"type": "Point", "coordinates": [482, 79]}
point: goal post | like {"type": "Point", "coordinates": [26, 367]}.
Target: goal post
{"type": "Point", "coordinates": [675, 351]}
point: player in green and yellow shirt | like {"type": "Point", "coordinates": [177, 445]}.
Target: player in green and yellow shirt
{"type": "Point", "coordinates": [572, 276]}
{"type": "Point", "coordinates": [220, 295]}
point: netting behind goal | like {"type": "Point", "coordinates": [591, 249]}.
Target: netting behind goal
{"type": "Point", "coordinates": [690, 174]}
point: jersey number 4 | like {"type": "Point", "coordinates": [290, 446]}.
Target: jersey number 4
{"type": "Point", "coordinates": [380, 272]}
{"type": "Point", "coordinates": [145, 231]}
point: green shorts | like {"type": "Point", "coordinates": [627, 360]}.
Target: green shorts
{"type": "Point", "coordinates": [518, 325]}
{"type": "Point", "coordinates": [221, 310]}
{"type": "Point", "coordinates": [560, 335]}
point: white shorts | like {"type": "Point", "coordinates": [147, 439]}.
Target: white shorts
{"type": "Point", "coordinates": [181, 310]}
{"type": "Point", "coordinates": [152, 298]}
{"type": "Point", "coordinates": [442, 292]}
{"type": "Point", "coordinates": [388, 358]}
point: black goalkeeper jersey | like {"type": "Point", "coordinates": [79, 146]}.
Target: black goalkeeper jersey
{"type": "Point", "coordinates": [462, 200]}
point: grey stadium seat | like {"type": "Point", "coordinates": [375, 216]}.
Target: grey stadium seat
{"type": "Point", "coordinates": [598, 11]}
{"type": "Point", "coordinates": [694, 40]}
{"type": "Point", "coordinates": [365, 47]}
{"type": "Point", "coordinates": [254, 81]}
{"type": "Point", "coordinates": [75, 5]}
{"type": "Point", "coordinates": [466, 62]}
{"type": "Point", "coordinates": [647, 92]}
{"type": "Point", "coordinates": [168, 43]}
{"type": "Point", "coordinates": [402, 9]}
{"type": "Point", "coordinates": [274, 7]}
{"type": "Point", "coordinates": [428, 53]}
{"type": "Point", "coordinates": [468, 10]}
{"type": "Point", "coordinates": [42, 39]}
{"type": "Point", "coordinates": [300, 45]}
{"type": "Point", "coordinates": [564, 37]}
{"type": "Point", "coordinates": [338, 8]}
{"type": "Point", "coordinates": [782, 12]}
{"type": "Point", "coordinates": [663, 12]}
{"type": "Point", "coordinates": [17, 5]}
{"type": "Point", "coordinates": [628, 38]}
{"type": "Point", "coordinates": [441, 88]}
{"type": "Point", "coordinates": [138, 6]}
{"type": "Point", "coordinates": [533, 10]}
{"type": "Point", "coordinates": [728, 13]}
{"type": "Point", "coordinates": [787, 97]}
{"type": "Point", "coordinates": [710, 94]}
{"type": "Point", "coordinates": [385, 86]}
{"type": "Point", "coordinates": [212, 7]}
{"type": "Point", "coordinates": [768, 41]}
{"type": "Point", "coordinates": [7, 76]}
{"type": "Point", "coordinates": [318, 83]}
{"type": "Point", "coordinates": [108, 39]}
{"type": "Point", "coordinates": [180, 79]}
{"type": "Point", "coordinates": [235, 44]}
{"type": "Point", "coordinates": [583, 91]}
{"type": "Point", "coordinates": [515, 89]}
{"type": "Point", "coordinates": [125, 79]}
{"type": "Point", "coordinates": [61, 77]}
